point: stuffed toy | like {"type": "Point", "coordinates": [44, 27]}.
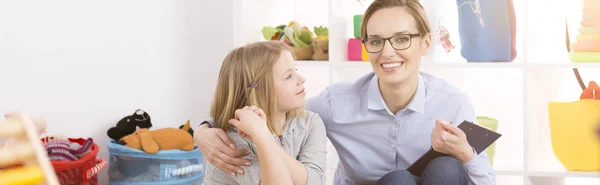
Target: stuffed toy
{"type": "Point", "coordinates": [160, 139]}
{"type": "Point", "coordinates": [299, 37]}
{"type": "Point", "coordinates": [320, 44]}
{"type": "Point", "coordinates": [293, 34]}
{"type": "Point", "coordinates": [129, 124]}
{"type": "Point", "coordinates": [187, 127]}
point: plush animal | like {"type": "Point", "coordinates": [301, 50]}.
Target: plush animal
{"type": "Point", "coordinates": [128, 124]}
{"type": "Point", "coordinates": [187, 127]}
{"type": "Point", "coordinates": [320, 50]}
{"type": "Point", "coordinates": [160, 139]}
{"type": "Point", "coordinates": [320, 44]}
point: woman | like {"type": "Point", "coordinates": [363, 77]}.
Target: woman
{"type": "Point", "coordinates": [259, 102]}
{"type": "Point", "coordinates": [383, 122]}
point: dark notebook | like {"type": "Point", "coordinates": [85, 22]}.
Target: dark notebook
{"type": "Point", "coordinates": [478, 137]}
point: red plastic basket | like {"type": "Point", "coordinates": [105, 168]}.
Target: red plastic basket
{"type": "Point", "coordinates": [81, 172]}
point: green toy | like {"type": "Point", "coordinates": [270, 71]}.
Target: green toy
{"type": "Point", "coordinates": [491, 124]}
{"type": "Point", "coordinates": [357, 19]}
{"type": "Point", "coordinates": [270, 33]}
{"type": "Point", "coordinates": [293, 34]}
{"type": "Point", "coordinates": [322, 33]}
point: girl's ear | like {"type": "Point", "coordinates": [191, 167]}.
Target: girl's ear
{"type": "Point", "coordinates": [425, 43]}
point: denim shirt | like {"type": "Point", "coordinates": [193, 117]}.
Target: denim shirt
{"type": "Point", "coordinates": [371, 141]}
{"type": "Point", "coordinates": [303, 138]}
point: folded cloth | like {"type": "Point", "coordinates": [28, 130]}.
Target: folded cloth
{"type": "Point", "coordinates": [586, 46]}
{"type": "Point", "coordinates": [60, 149]}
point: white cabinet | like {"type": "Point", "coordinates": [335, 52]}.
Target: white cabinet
{"type": "Point", "coordinates": [515, 93]}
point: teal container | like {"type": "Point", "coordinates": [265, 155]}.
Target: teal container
{"type": "Point", "coordinates": [130, 166]}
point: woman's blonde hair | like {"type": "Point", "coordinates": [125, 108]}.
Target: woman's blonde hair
{"type": "Point", "coordinates": [245, 79]}
{"type": "Point", "coordinates": [413, 7]}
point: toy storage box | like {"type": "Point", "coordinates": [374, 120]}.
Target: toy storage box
{"type": "Point", "coordinates": [81, 172]}
{"type": "Point", "coordinates": [130, 166]}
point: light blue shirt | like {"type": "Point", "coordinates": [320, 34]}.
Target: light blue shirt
{"type": "Point", "coordinates": [371, 141]}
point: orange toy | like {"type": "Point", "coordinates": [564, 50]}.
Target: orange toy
{"type": "Point", "coordinates": [591, 92]}
{"type": "Point", "coordinates": [160, 139]}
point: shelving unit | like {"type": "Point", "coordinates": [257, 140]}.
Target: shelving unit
{"type": "Point", "coordinates": [520, 89]}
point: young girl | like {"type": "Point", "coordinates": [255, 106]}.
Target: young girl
{"type": "Point", "coordinates": [259, 103]}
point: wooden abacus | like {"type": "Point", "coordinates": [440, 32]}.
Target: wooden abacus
{"type": "Point", "coordinates": [33, 164]}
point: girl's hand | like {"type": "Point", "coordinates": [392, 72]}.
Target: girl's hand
{"type": "Point", "coordinates": [260, 113]}
{"type": "Point", "coordinates": [251, 122]}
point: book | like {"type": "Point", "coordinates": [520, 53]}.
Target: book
{"type": "Point", "coordinates": [478, 137]}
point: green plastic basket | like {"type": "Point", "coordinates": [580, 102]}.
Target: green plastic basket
{"type": "Point", "coordinates": [491, 124]}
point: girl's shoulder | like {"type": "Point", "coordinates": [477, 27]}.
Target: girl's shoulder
{"type": "Point", "coordinates": [239, 141]}
{"type": "Point", "coordinates": [308, 120]}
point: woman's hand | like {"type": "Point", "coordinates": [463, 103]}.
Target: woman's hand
{"type": "Point", "coordinates": [449, 139]}
{"type": "Point", "coordinates": [219, 150]}
{"type": "Point", "coordinates": [251, 122]}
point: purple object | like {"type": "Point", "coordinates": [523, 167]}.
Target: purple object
{"type": "Point", "coordinates": [598, 130]}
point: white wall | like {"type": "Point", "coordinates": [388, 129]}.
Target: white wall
{"type": "Point", "coordinates": [85, 65]}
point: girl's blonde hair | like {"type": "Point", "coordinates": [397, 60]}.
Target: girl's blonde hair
{"type": "Point", "coordinates": [413, 7]}
{"type": "Point", "coordinates": [245, 79]}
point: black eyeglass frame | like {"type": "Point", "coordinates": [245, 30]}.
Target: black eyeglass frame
{"type": "Point", "coordinates": [388, 40]}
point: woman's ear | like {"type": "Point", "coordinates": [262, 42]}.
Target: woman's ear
{"type": "Point", "coordinates": [425, 43]}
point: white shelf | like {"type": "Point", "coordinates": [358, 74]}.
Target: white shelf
{"type": "Point", "coordinates": [564, 174]}
{"type": "Point", "coordinates": [467, 65]}
{"type": "Point", "coordinates": [460, 65]}
{"type": "Point", "coordinates": [509, 173]}
{"type": "Point", "coordinates": [568, 174]}
{"type": "Point", "coordinates": [524, 152]}
{"type": "Point", "coordinates": [352, 64]}
{"type": "Point", "coordinates": [501, 65]}
{"type": "Point", "coordinates": [564, 65]}
{"type": "Point", "coordinates": [315, 63]}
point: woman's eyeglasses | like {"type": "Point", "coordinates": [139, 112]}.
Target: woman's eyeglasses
{"type": "Point", "coordinates": [398, 42]}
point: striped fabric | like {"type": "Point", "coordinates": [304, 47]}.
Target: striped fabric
{"type": "Point", "coordinates": [101, 164]}
{"type": "Point", "coordinates": [61, 154]}
{"type": "Point", "coordinates": [170, 172]}
{"type": "Point", "coordinates": [59, 149]}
